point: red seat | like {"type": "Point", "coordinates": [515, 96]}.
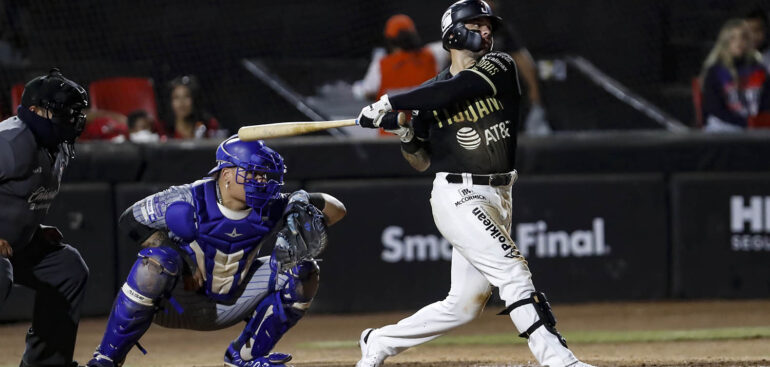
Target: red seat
{"type": "Point", "coordinates": [124, 95]}
{"type": "Point", "coordinates": [16, 92]}
{"type": "Point", "coordinates": [697, 101]}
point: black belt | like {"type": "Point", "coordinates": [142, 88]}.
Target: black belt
{"type": "Point", "coordinates": [497, 179]}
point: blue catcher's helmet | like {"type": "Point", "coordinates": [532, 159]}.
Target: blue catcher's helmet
{"type": "Point", "coordinates": [253, 160]}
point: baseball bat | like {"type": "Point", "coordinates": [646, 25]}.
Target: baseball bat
{"type": "Point", "coordinates": [283, 129]}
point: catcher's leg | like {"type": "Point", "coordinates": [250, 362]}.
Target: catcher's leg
{"type": "Point", "coordinates": [151, 278]}
{"type": "Point", "coordinates": [273, 317]}
{"type": "Point", "coordinates": [467, 296]}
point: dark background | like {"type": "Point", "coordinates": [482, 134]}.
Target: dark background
{"type": "Point", "coordinates": [663, 196]}
{"type": "Point", "coordinates": [654, 47]}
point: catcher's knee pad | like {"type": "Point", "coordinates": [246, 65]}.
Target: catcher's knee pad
{"type": "Point", "coordinates": [544, 313]}
{"type": "Point", "coordinates": [153, 275]}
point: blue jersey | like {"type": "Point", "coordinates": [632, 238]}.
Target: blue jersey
{"type": "Point", "coordinates": [228, 241]}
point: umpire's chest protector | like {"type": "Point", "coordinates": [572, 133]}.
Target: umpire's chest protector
{"type": "Point", "coordinates": [226, 245]}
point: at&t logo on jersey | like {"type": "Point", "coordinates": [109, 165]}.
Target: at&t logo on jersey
{"type": "Point", "coordinates": [534, 239]}
{"type": "Point", "coordinates": [468, 138]}
{"type": "Point", "coordinates": [750, 223]}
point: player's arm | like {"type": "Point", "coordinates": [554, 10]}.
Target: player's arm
{"type": "Point", "coordinates": [492, 74]}
{"type": "Point", "coordinates": [416, 150]}
{"type": "Point", "coordinates": [332, 209]}
{"type": "Point", "coordinates": [145, 221]}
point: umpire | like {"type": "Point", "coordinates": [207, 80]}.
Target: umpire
{"type": "Point", "coordinates": [35, 148]}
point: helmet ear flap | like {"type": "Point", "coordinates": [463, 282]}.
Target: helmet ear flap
{"type": "Point", "coordinates": [462, 38]}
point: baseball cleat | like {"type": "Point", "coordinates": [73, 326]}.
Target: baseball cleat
{"type": "Point", "coordinates": [101, 360]}
{"type": "Point", "coordinates": [369, 358]}
{"type": "Point", "coordinates": [233, 359]}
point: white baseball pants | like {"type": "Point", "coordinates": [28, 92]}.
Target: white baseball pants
{"type": "Point", "coordinates": [476, 220]}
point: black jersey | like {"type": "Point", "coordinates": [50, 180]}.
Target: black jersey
{"type": "Point", "coordinates": [29, 181]}
{"type": "Point", "coordinates": [476, 135]}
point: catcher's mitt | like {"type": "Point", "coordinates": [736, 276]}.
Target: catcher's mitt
{"type": "Point", "coordinates": [304, 233]}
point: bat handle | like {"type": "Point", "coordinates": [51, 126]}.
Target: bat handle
{"type": "Point", "coordinates": [393, 120]}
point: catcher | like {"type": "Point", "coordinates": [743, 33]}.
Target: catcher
{"type": "Point", "coordinates": [198, 261]}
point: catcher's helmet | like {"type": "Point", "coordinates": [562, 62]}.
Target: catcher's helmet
{"type": "Point", "coordinates": [252, 158]}
{"type": "Point", "coordinates": [64, 98]}
{"type": "Point", "coordinates": [453, 31]}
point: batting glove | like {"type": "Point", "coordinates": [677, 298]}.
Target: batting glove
{"type": "Point", "coordinates": [405, 133]}
{"type": "Point", "coordinates": [371, 115]}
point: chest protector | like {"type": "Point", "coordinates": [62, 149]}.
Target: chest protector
{"type": "Point", "coordinates": [225, 247]}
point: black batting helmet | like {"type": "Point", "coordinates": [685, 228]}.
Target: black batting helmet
{"type": "Point", "coordinates": [453, 31]}
{"type": "Point", "coordinates": [64, 98]}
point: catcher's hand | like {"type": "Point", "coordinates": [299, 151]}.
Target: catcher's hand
{"type": "Point", "coordinates": [304, 234]}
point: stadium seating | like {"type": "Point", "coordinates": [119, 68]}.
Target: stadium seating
{"type": "Point", "coordinates": [124, 95]}
{"type": "Point", "coordinates": [16, 91]}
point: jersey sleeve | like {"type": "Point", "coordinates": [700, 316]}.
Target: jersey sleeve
{"type": "Point", "coordinates": [7, 160]}
{"type": "Point", "coordinates": [151, 211]}
{"type": "Point", "coordinates": [499, 71]}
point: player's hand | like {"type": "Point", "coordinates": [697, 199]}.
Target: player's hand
{"type": "Point", "coordinates": [193, 282]}
{"type": "Point", "coordinates": [371, 115]}
{"type": "Point", "coordinates": [404, 133]}
{"type": "Point", "coordinates": [5, 249]}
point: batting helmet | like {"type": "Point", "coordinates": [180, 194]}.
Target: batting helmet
{"type": "Point", "coordinates": [453, 31]}
{"type": "Point", "coordinates": [63, 98]}
{"type": "Point", "coordinates": [253, 159]}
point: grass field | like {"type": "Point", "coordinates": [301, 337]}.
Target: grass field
{"type": "Point", "coordinates": [710, 333]}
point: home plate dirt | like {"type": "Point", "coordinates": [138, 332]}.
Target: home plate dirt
{"type": "Point", "coordinates": [704, 333]}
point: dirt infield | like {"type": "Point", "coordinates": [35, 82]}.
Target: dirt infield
{"type": "Point", "coordinates": [188, 348]}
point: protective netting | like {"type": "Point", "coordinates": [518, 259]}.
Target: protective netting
{"type": "Point", "coordinates": [319, 48]}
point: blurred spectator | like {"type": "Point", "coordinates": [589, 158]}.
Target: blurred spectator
{"type": "Point", "coordinates": [757, 22]}
{"type": "Point", "coordinates": [104, 125]}
{"type": "Point", "coordinates": [190, 121]}
{"type": "Point", "coordinates": [507, 40]}
{"type": "Point", "coordinates": [735, 83]}
{"type": "Point", "coordinates": [405, 65]}
{"type": "Point", "coordinates": [140, 128]}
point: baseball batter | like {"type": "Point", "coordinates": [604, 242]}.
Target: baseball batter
{"type": "Point", "coordinates": [198, 262]}
{"type": "Point", "coordinates": [35, 149]}
{"type": "Point", "coordinates": [464, 124]}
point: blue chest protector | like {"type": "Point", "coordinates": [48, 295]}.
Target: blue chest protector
{"type": "Point", "coordinates": [226, 247]}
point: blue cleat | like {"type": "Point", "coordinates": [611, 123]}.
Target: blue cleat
{"type": "Point", "coordinates": [101, 360]}
{"type": "Point", "coordinates": [233, 359]}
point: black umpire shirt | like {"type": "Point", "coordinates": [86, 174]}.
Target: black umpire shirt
{"type": "Point", "coordinates": [29, 181]}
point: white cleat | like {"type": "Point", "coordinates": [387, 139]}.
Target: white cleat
{"type": "Point", "coordinates": [369, 358]}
